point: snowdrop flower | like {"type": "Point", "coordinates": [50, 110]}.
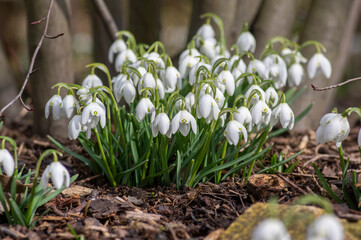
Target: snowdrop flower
{"type": "Point", "coordinates": [7, 162]}
{"type": "Point", "coordinates": [161, 124]}
{"type": "Point", "coordinates": [135, 77]}
{"type": "Point", "coordinates": [92, 81]}
{"type": "Point", "coordinates": [246, 42]}
{"type": "Point", "coordinates": [144, 107]}
{"type": "Point", "coordinates": [68, 105]}
{"type": "Point", "coordinates": [83, 94]}
{"type": "Point", "coordinates": [221, 66]}
{"type": "Point", "coordinates": [127, 55]}
{"type": "Point", "coordinates": [160, 87]}
{"type": "Point", "coordinates": [184, 121]}
{"type": "Point", "coordinates": [238, 63]}
{"type": "Point", "coordinates": [153, 56]}
{"type": "Point", "coordinates": [296, 74]}
{"type": "Point", "coordinates": [260, 94]}
{"type": "Point", "coordinates": [225, 80]}
{"type": "Point", "coordinates": [207, 108]}
{"type": "Point", "coordinates": [271, 96]}
{"type": "Point", "coordinates": [186, 64]}
{"type": "Point", "coordinates": [171, 79]}
{"type": "Point", "coordinates": [190, 100]}
{"type": "Point", "coordinates": [92, 114]}
{"type": "Point", "coordinates": [270, 229]}
{"type": "Point", "coordinates": [58, 174]}
{"type": "Point", "coordinates": [233, 130]}
{"type": "Point", "coordinates": [219, 98]}
{"type": "Point", "coordinates": [75, 127]}
{"type": "Point", "coordinates": [333, 126]}
{"type": "Point", "coordinates": [326, 227]}
{"type": "Point", "coordinates": [289, 55]}
{"type": "Point", "coordinates": [54, 105]}
{"type": "Point", "coordinates": [206, 31]}
{"type": "Point", "coordinates": [261, 114]}
{"type": "Point", "coordinates": [125, 89]}
{"type": "Point", "coordinates": [244, 117]}
{"type": "Point", "coordinates": [257, 66]}
{"type": "Point", "coordinates": [188, 52]}
{"type": "Point", "coordinates": [277, 70]}
{"type": "Point", "coordinates": [202, 75]}
{"type": "Point", "coordinates": [117, 47]}
{"type": "Point", "coordinates": [359, 138]}
{"type": "Point", "coordinates": [317, 64]}
{"type": "Point", "coordinates": [208, 48]}
{"type": "Point", "coordinates": [284, 113]}
{"type": "Point", "coordinates": [147, 81]}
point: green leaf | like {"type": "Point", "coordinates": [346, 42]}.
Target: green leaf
{"type": "Point", "coordinates": [17, 213]}
{"type": "Point", "coordinates": [291, 98]}
{"type": "Point", "coordinates": [281, 163]}
{"type": "Point", "coordinates": [325, 185]}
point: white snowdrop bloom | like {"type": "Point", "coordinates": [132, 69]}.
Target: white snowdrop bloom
{"type": "Point", "coordinates": [246, 42]}
{"type": "Point", "coordinates": [186, 65]}
{"type": "Point", "coordinates": [233, 130]}
{"type": "Point", "coordinates": [260, 94]}
{"type": "Point", "coordinates": [116, 47]}
{"type": "Point", "coordinates": [58, 174]}
{"type": "Point", "coordinates": [239, 67]}
{"type": "Point", "coordinates": [333, 126]}
{"type": "Point", "coordinates": [135, 77]}
{"type": "Point", "coordinates": [125, 89]}
{"type": "Point", "coordinates": [207, 108]}
{"type": "Point", "coordinates": [118, 80]}
{"type": "Point", "coordinates": [190, 99]}
{"type": "Point", "coordinates": [261, 114]}
{"type": "Point", "coordinates": [144, 107]}
{"type": "Point", "coordinates": [53, 105]}
{"type": "Point", "coordinates": [184, 121]}
{"type": "Point", "coordinates": [147, 81]}
{"type": "Point", "coordinates": [153, 56]}
{"type": "Point", "coordinates": [289, 54]}
{"type": "Point", "coordinates": [257, 66]}
{"type": "Point", "coordinates": [160, 87]}
{"type": "Point", "coordinates": [75, 127]}
{"type": "Point", "coordinates": [206, 31]}
{"type": "Point", "coordinates": [92, 114]}
{"type": "Point", "coordinates": [127, 55]}
{"type": "Point", "coordinates": [359, 138]}
{"type": "Point", "coordinates": [208, 48]}
{"type": "Point", "coordinates": [326, 227]}
{"type": "Point", "coordinates": [270, 229]}
{"type": "Point", "coordinates": [317, 64]}
{"type": "Point", "coordinates": [68, 105]}
{"type": "Point", "coordinates": [202, 74]}
{"type": "Point", "coordinates": [171, 79]}
{"type": "Point", "coordinates": [296, 74]}
{"type": "Point", "coordinates": [271, 96]}
{"type": "Point", "coordinates": [244, 117]}
{"type": "Point", "coordinates": [92, 81]}
{"type": "Point", "coordinates": [219, 98]}
{"type": "Point", "coordinates": [83, 94]}
{"type": "Point", "coordinates": [7, 162]}
{"type": "Point", "coordinates": [188, 52]}
{"type": "Point", "coordinates": [277, 70]}
{"type": "Point", "coordinates": [221, 66]}
{"type": "Point", "coordinates": [284, 114]}
{"type": "Point", "coordinates": [225, 79]}
{"type": "Point", "coordinates": [161, 124]}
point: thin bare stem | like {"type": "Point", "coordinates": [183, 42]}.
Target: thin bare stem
{"type": "Point", "coordinates": [336, 85]}
{"type": "Point", "coordinates": [107, 18]}
{"type": "Point", "coordinates": [31, 71]}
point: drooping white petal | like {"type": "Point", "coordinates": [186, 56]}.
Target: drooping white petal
{"type": "Point", "coordinates": [144, 107]}
{"type": "Point", "coordinates": [54, 105]}
{"type": "Point", "coordinates": [92, 81]}
{"type": "Point", "coordinates": [296, 74]}
{"type": "Point", "coordinates": [116, 47]}
{"type": "Point", "coordinates": [317, 64]}
{"type": "Point", "coordinates": [74, 127]}
{"type": "Point", "coordinates": [325, 227]}
{"type": "Point", "coordinates": [45, 178]}
{"type": "Point", "coordinates": [69, 104]}
{"type": "Point", "coordinates": [7, 162]}
{"type": "Point", "coordinates": [246, 42]}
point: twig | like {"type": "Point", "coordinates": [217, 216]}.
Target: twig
{"type": "Point", "coordinates": [336, 85]}
{"type": "Point", "coordinates": [292, 184]}
{"type": "Point", "coordinates": [53, 37]}
{"type": "Point", "coordinates": [31, 71]}
{"type": "Point", "coordinates": [107, 18]}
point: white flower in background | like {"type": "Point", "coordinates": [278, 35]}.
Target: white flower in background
{"type": "Point", "coordinates": [296, 74]}
{"type": "Point", "coordinates": [238, 63]}
{"type": "Point", "coordinates": [271, 96]}
{"type": "Point", "coordinates": [257, 66]}
{"type": "Point", "coordinates": [221, 66]}
{"type": "Point", "coordinates": [219, 98]}
{"type": "Point", "coordinates": [118, 80]}
{"type": "Point", "coordinates": [186, 64]}
{"type": "Point", "coordinates": [207, 108]}
{"type": "Point", "coordinates": [359, 138]}
{"type": "Point", "coordinates": [289, 55]}
{"type": "Point", "coordinates": [208, 48]}
{"type": "Point", "coordinates": [58, 174]}
{"type": "Point", "coordinates": [326, 227]}
{"type": "Point", "coordinates": [277, 70]}
{"type": "Point", "coordinates": [147, 81]}
{"type": "Point", "coordinates": [184, 121]}
{"type": "Point", "coordinates": [83, 94]}
{"type": "Point", "coordinates": [54, 105]}
{"type": "Point", "coordinates": [7, 162]}
{"type": "Point", "coordinates": [117, 47]}
{"type": "Point", "coordinates": [233, 130]}
{"type": "Point", "coordinates": [261, 114]}
{"type": "Point", "coordinates": [333, 126]}
{"type": "Point", "coordinates": [161, 124]}
{"type": "Point", "coordinates": [270, 229]}
{"type": "Point", "coordinates": [171, 79]}
{"type": "Point", "coordinates": [246, 42]}
{"type": "Point", "coordinates": [256, 95]}
{"type": "Point", "coordinates": [153, 56]}
{"type": "Point", "coordinates": [135, 77]}
{"type": "Point", "coordinates": [225, 81]}
{"type": "Point", "coordinates": [244, 117]}
{"type": "Point", "coordinates": [188, 52]}
{"type": "Point", "coordinates": [206, 31]}
{"type": "Point", "coordinates": [202, 74]}
{"type": "Point", "coordinates": [125, 89]}
{"type": "Point", "coordinates": [125, 56]}
{"type": "Point", "coordinates": [317, 64]}
{"type": "Point", "coordinates": [68, 105]}
{"type": "Point", "coordinates": [190, 100]}
{"type": "Point", "coordinates": [92, 114]}
{"type": "Point", "coordinates": [92, 81]}
{"type": "Point", "coordinates": [160, 87]}
{"type": "Point", "coordinates": [144, 107]}
{"type": "Point", "coordinates": [284, 114]}
{"type": "Point", "coordinates": [75, 127]}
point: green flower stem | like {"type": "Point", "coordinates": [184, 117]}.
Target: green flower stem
{"type": "Point", "coordinates": [342, 161]}
{"type": "Point", "coordinates": [163, 154]}
{"type": "Point", "coordinates": [112, 181]}
{"type": "Point", "coordinates": [224, 151]}
{"type": "Point", "coordinates": [110, 141]}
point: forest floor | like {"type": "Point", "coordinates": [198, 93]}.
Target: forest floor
{"type": "Point", "coordinates": [95, 210]}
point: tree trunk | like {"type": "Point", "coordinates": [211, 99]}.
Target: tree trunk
{"type": "Point", "coordinates": [224, 9]}
{"type": "Point", "coordinates": [54, 60]}
{"type": "Point", "coordinates": [247, 11]}
{"type": "Point", "coordinates": [332, 23]}
{"type": "Point", "coordinates": [275, 18]}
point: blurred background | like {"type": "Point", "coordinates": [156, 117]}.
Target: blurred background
{"type": "Point", "coordinates": [86, 39]}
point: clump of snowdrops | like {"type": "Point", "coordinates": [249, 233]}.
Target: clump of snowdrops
{"type": "Point", "coordinates": [204, 120]}
{"type": "Point", "coordinates": [20, 193]}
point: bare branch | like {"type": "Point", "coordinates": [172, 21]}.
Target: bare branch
{"type": "Point", "coordinates": [53, 37]}
{"type": "Point", "coordinates": [336, 85]}
{"type": "Point", "coordinates": [31, 71]}
{"type": "Point", "coordinates": [107, 18]}
{"type": "Point", "coordinates": [39, 21]}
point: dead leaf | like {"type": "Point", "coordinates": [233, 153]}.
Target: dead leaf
{"type": "Point", "coordinates": [5, 182]}
{"type": "Point", "coordinates": [77, 190]}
